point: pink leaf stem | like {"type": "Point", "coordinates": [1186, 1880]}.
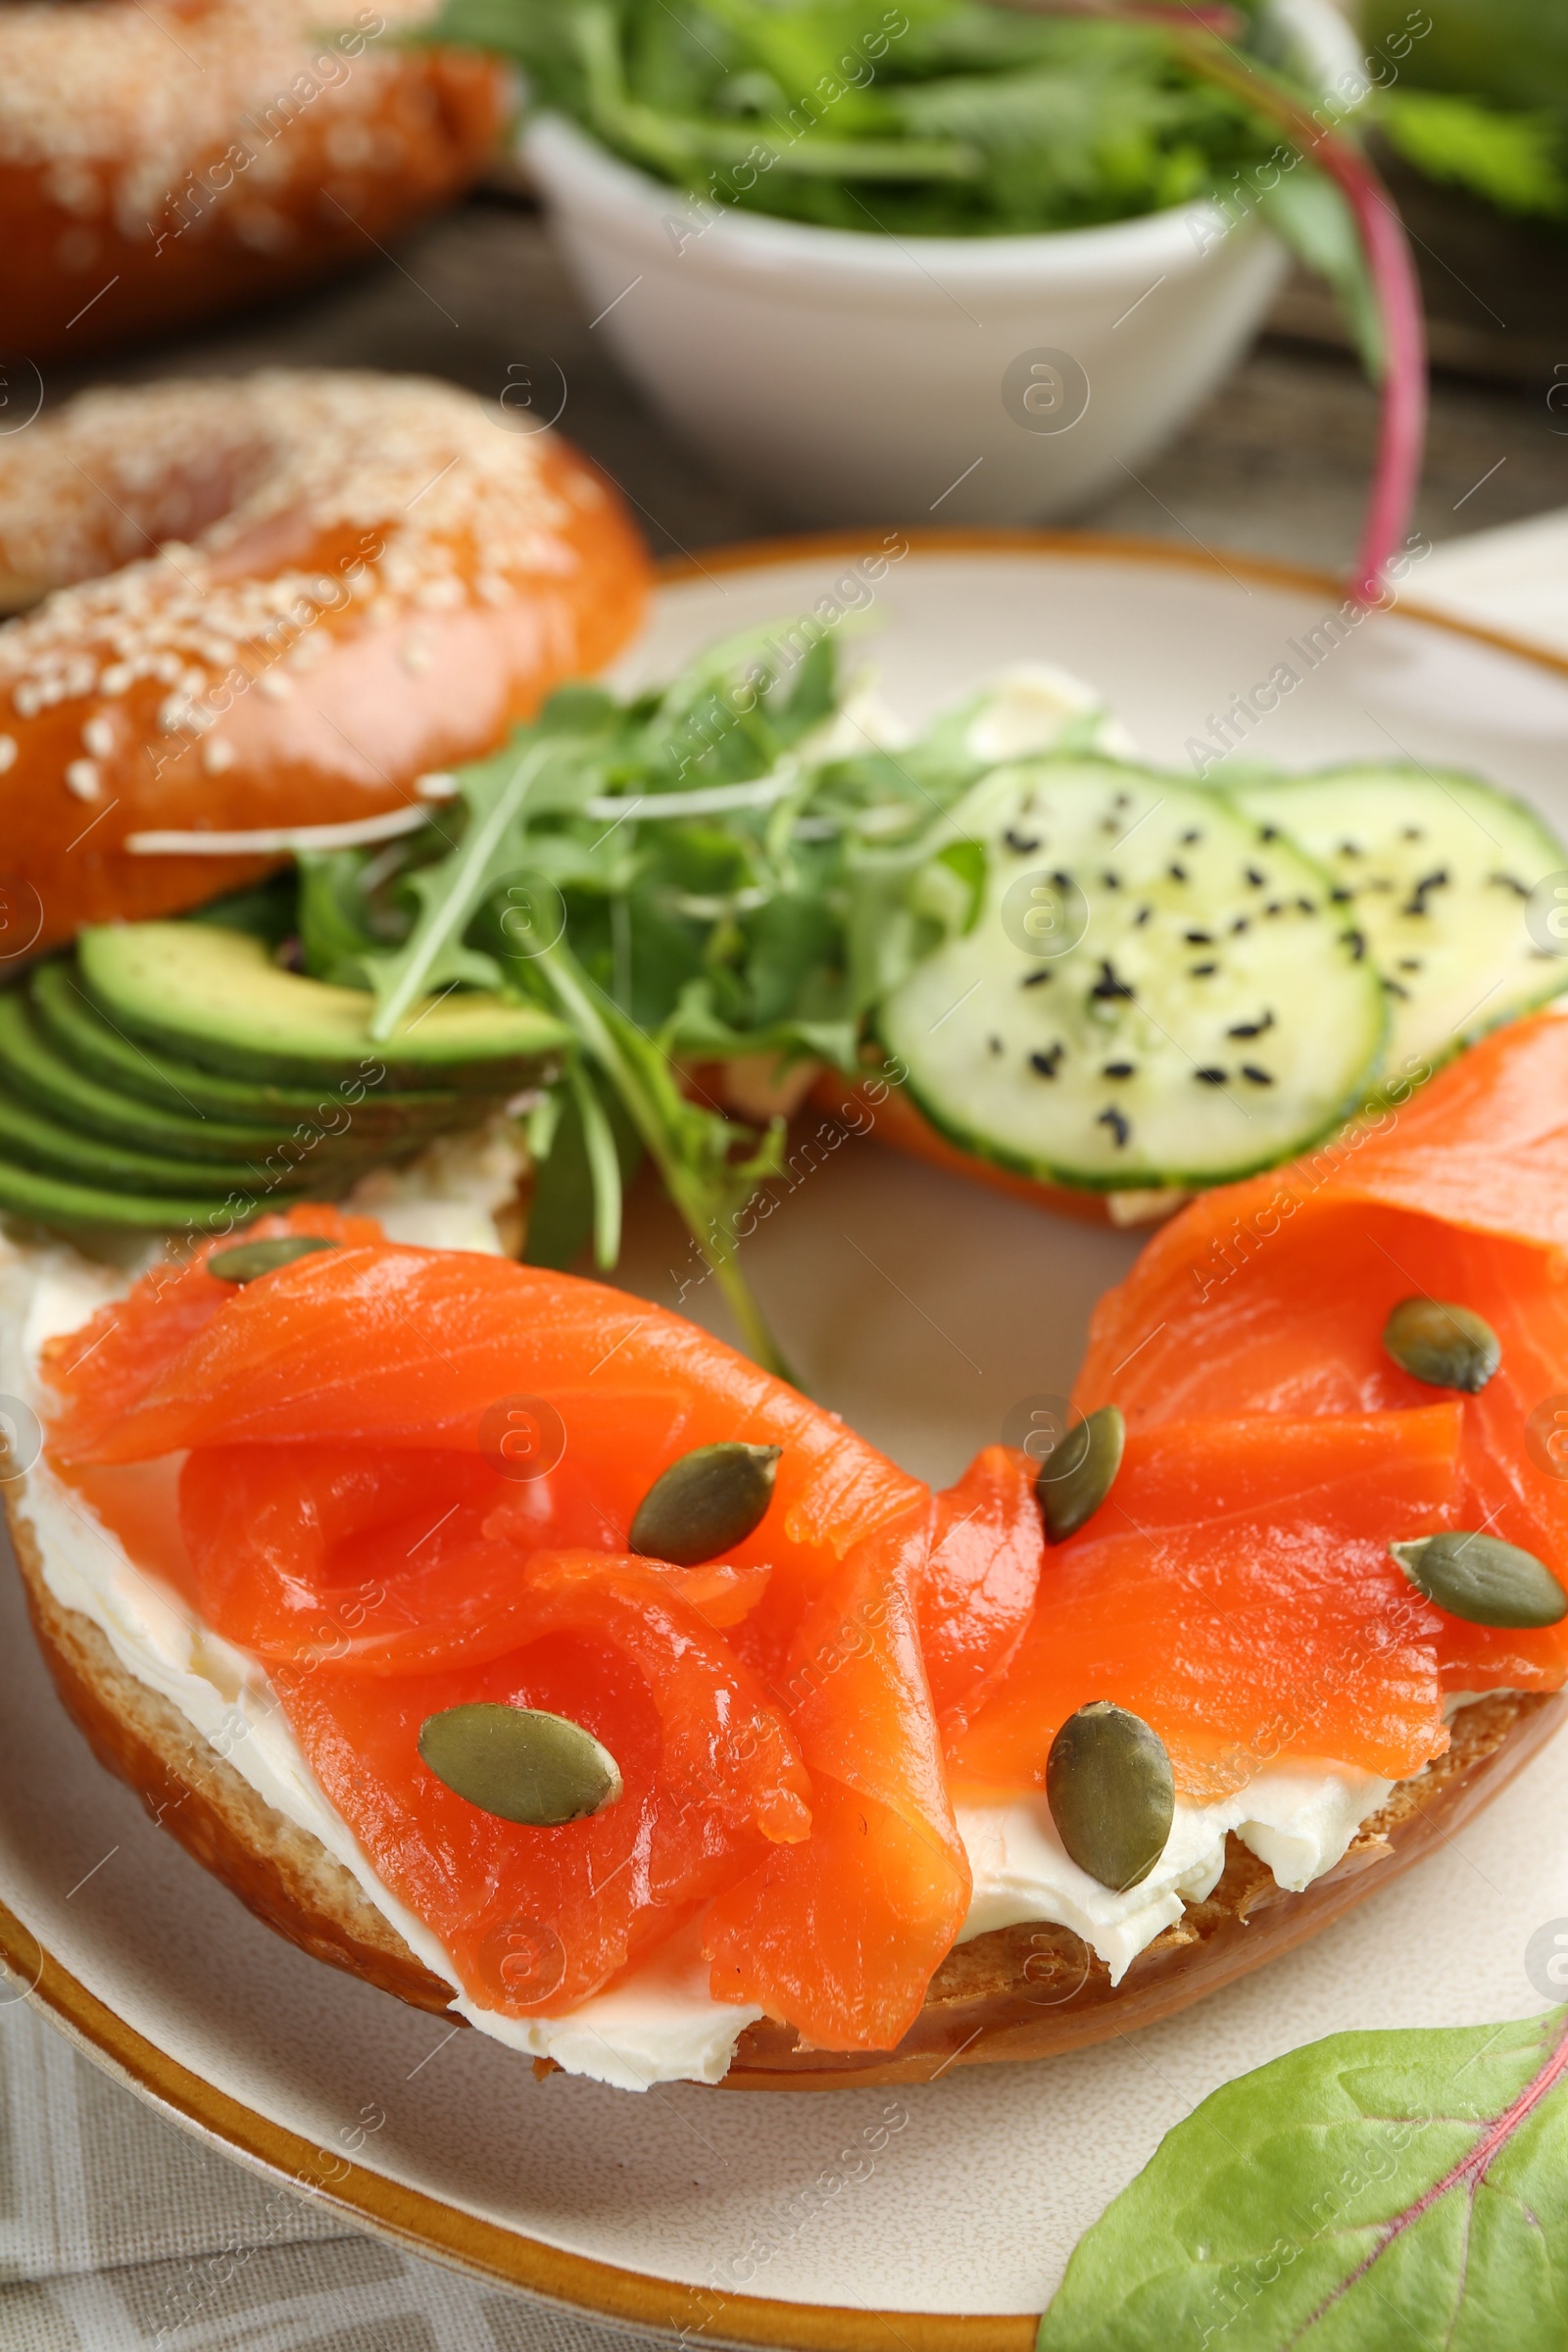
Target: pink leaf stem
{"type": "Point", "coordinates": [1469, 2172]}
{"type": "Point", "coordinates": [1401, 436]}
{"type": "Point", "coordinates": [1199, 35]}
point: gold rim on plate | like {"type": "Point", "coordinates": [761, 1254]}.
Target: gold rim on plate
{"type": "Point", "coordinates": [425, 2225]}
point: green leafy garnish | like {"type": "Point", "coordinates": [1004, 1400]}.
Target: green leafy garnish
{"type": "Point", "coordinates": [574, 1197]}
{"type": "Point", "coordinates": [728, 867]}
{"type": "Point", "coordinates": [1366, 2193]}
{"type": "Point", "coordinates": [952, 117]}
{"type": "Point", "coordinates": [1313, 217]}
{"type": "Point", "coordinates": [935, 116]}
{"type": "Point", "coordinates": [1517, 162]}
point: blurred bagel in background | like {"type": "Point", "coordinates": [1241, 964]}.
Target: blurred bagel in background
{"type": "Point", "coordinates": [276, 601]}
{"type": "Point", "coordinates": [164, 161]}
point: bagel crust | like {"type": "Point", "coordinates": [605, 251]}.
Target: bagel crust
{"type": "Point", "coordinates": [164, 160]}
{"type": "Point", "coordinates": [1029, 1991]}
{"type": "Point", "coordinates": [360, 583]}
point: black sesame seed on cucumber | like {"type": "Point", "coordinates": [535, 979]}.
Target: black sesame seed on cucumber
{"type": "Point", "coordinates": [1180, 1000]}
{"type": "Point", "coordinates": [1436, 872]}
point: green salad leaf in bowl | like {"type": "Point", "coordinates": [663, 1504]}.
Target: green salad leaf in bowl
{"type": "Point", "coordinates": [911, 119]}
{"type": "Point", "coordinates": [964, 120]}
{"type": "Point", "coordinates": [1481, 102]}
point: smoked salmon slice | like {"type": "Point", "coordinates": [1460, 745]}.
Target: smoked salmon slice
{"type": "Point", "coordinates": [1271, 1296]}
{"type": "Point", "coordinates": [1235, 1591]}
{"type": "Point", "coordinates": [378, 1344]}
{"type": "Point", "coordinates": [1482, 1151]}
{"type": "Point", "coordinates": [348, 1518]}
{"type": "Point", "coordinates": [1483, 1146]}
{"type": "Point", "coordinates": [538, 1919]}
{"type": "Point", "coordinates": [980, 1582]}
{"type": "Point", "coordinates": [839, 1936]}
{"type": "Point", "coordinates": [390, 1560]}
{"type": "Point", "coordinates": [107, 1367]}
{"type": "Point", "coordinates": [1294, 1326]}
{"type": "Point", "coordinates": [407, 1479]}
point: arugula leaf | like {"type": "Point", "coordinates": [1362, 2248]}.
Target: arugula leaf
{"type": "Point", "coordinates": [605, 809]}
{"type": "Point", "coordinates": [448, 893]}
{"type": "Point", "coordinates": [684, 147]}
{"type": "Point", "coordinates": [564, 1206]}
{"type": "Point", "coordinates": [982, 121]}
{"type": "Point", "coordinates": [697, 874]}
{"type": "Point", "coordinates": [694, 1149]}
{"type": "Point", "coordinates": [1367, 2193]}
{"type": "Point", "coordinates": [349, 904]}
{"type": "Point", "coordinates": [969, 119]}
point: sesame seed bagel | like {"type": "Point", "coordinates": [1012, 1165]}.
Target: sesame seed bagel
{"type": "Point", "coordinates": [1030, 1991]}
{"type": "Point", "coordinates": [277, 601]}
{"type": "Point", "coordinates": [162, 161]}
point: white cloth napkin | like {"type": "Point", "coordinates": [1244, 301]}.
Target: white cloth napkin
{"type": "Point", "coordinates": [121, 2233]}
{"type": "Point", "coordinates": [1514, 580]}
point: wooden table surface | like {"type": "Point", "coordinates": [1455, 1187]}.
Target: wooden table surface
{"type": "Point", "coordinates": [1276, 464]}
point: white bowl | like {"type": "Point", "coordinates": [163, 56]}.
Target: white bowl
{"type": "Point", "coordinates": [854, 377]}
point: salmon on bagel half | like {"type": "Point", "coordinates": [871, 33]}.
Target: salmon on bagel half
{"type": "Point", "coordinates": [516, 1645]}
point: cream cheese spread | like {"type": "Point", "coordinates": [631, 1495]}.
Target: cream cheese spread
{"type": "Point", "coordinates": [1298, 1818]}
{"type": "Point", "coordinates": [661, 2024]}
{"type": "Point", "coordinates": [1028, 709]}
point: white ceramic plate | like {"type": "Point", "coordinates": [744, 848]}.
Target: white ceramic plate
{"type": "Point", "coordinates": [923, 1308]}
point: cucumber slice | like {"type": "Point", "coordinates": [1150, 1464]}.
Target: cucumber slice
{"type": "Point", "coordinates": [1436, 870]}
{"type": "Point", "coordinates": [1210, 1013]}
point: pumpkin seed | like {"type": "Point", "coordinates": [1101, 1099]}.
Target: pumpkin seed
{"type": "Point", "coordinates": [1110, 1792]}
{"type": "Point", "coordinates": [519, 1763]}
{"type": "Point", "coordinates": [249, 1260]}
{"type": "Point", "coordinates": [1447, 1347]}
{"type": "Point", "coordinates": [1077, 1475]}
{"type": "Point", "coordinates": [1482, 1580]}
{"type": "Point", "coordinates": [708, 1501]}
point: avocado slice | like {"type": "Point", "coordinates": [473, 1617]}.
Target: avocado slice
{"type": "Point", "coordinates": [32, 1068]}
{"type": "Point", "coordinates": [54, 1200]}
{"type": "Point", "coordinates": [69, 1022]}
{"type": "Point", "coordinates": [34, 1140]}
{"type": "Point", "coordinates": [216, 997]}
